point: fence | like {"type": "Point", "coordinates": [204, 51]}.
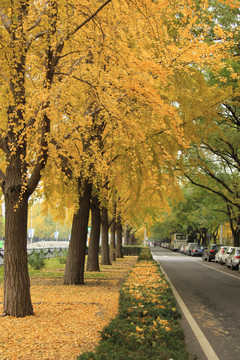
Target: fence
{"type": "Point", "coordinates": [48, 251]}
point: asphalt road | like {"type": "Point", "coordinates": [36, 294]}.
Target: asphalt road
{"type": "Point", "coordinates": [211, 293]}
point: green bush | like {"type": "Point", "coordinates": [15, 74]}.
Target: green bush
{"type": "Point", "coordinates": [145, 254]}
{"type": "Point", "coordinates": [61, 255]}
{"type": "Point", "coordinates": [131, 250]}
{"type": "Point", "coordinates": [37, 259]}
{"type": "Point", "coordinates": [63, 258]}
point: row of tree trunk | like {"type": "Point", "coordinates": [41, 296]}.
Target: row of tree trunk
{"type": "Point", "coordinates": [75, 266]}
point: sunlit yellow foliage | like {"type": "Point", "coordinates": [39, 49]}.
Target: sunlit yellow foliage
{"type": "Point", "coordinates": [135, 71]}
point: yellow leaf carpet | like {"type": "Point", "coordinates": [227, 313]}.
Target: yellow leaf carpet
{"type": "Point", "coordinates": [67, 319]}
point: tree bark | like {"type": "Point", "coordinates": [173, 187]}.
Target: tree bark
{"type": "Point", "coordinates": [131, 239]}
{"type": "Point", "coordinates": [119, 252]}
{"type": "Point", "coordinates": [17, 300]}
{"type": "Point", "coordinates": [127, 235]}
{"type": "Point", "coordinates": [112, 240]}
{"type": "Point", "coordinates": [93, 249]}
{"type": "Point", "coordinates": [105, 245]}
{"type": "Point", "coordinates": [74, 270]}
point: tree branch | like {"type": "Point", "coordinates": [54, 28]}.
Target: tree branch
{"type": "Point", "coordinates": [88, 19]}
{"type": "Point", "coordinates": [2, 178]}
{"type": "Point", "coordinates": [42, 158]}
{"type": "Point", "coordinates": [212, 190]}
{"type": "Point", "coordinates": [35, 37]}
{"type": "Point", "coordinates": [37, 22]}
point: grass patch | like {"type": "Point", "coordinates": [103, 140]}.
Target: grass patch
{"type": "Point", "coordinates": [54, 268]}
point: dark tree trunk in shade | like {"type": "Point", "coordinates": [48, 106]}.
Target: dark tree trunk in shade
{"type": "Point", "coordinates": [74, 270]}
{"type": "Point", "coordinates": [127, 236]}
{"type": "Point", "coordinates": [93, 248]}
{"type": "Point", "coordinates": [105, 245]}
{"type": "Point", "coordinates": [132, 239]}
{"type": "Point", "coordinates": [119, 252]}
{"type": "Point", "coordinates": [17, 300]}
{"type": "Point", "coordinates": [112, 240]}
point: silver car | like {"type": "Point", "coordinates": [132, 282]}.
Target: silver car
{"type": "Point", "coordinates": [188, 248]}
{"type": "Point", "coordinates": [219, 254]}
{"type": "Point", "coordinates": [233, 258]}
{"type": "Point", "coordinates": [225, 255]}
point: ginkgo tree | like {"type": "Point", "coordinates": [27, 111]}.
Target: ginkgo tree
{"type": "Point", "coordinates": [35, 39]}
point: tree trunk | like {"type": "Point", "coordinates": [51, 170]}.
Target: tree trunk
{"type": "Point", "coordinates": [126, 236]}
{"type": "Point", "coordinates": [119, 252]}
{"type": "Point", "coordinates": [236, 238]}
{"type": "Point", "coordinates": [74, 270]}
{"type": "Point", "coordinates": [112, 241]}
{"type": "Point", "coordinates": [105, 246]}
{"type": "Point", "coordinates": [17, 300]}
{"type": "Point", "coordinates": [93, 249]}
{"type": "Point", "coordinates": [131, 239]}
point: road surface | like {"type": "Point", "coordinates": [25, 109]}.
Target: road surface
{"type": "Point", "coordinates": [211, 293]}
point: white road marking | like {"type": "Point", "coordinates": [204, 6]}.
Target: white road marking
{"type": "Point", "coordinates": [234, 276]}
{"type": "Point", "coordinates": [205, 345]}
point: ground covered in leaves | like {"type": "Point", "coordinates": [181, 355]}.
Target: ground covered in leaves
{"type": "Point", "coordinates": [67, 319]}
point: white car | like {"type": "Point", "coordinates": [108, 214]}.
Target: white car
{"type": "Point", "coordinates": [225, 255]}
{"type": "Point", "coordinates": [233, 258]}
{"type": "Point", "coordinates": [219, 254]}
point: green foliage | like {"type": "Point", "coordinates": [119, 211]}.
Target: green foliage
{"type": "Point", "coordinates": [138, 332]}
{"type": "Point", "coordinates": [145, 254]}
{"type": "Point", "coordinates": [63, 258]}
{"type": "Point", "coordinates": [131, 250]}
{"type": "Point", "coordinates": [198, 210]}
{"type": "Point", "coordinates": [37, 259]}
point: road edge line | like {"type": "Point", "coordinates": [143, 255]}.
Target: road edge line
{"type": "Point", "coordinates": [205, 345]}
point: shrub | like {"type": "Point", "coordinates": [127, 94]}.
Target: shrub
{"type": "Point", "coordinates": [145, 254]}
{"type": "Point", "coordinates": [63, 258]}
{"type": "Point", "coordinates": [37, 259]}
{"type": "Point", "coordinates": [131, 250]}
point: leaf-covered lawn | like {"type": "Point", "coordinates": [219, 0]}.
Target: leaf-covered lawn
{"type": "Point", "coordinates": [67, 319]}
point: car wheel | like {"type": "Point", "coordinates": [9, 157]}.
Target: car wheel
{"type": "Point", "coordinates": [232, 266]}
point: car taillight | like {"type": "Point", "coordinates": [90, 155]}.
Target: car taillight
{"type": "Point", "coordinates": [212, 251]}
{"type": "Point", "coordinates": [237, 257]}
{"type": "Point", "coordinates": [222, 250]}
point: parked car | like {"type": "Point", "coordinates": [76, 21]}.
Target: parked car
{"type": "Point", "coordinates": [210, 251]}
{"type": "Point", "coordinates": [225, 255]}
{"type": "Point", "coordinates": [188, 248]}
{"type": "Point", "coordinates": [219, 254]}
{"type": "Point", "coordinates": [196, 250]}
{"type": "Point", "coordinates": [233, 258]}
